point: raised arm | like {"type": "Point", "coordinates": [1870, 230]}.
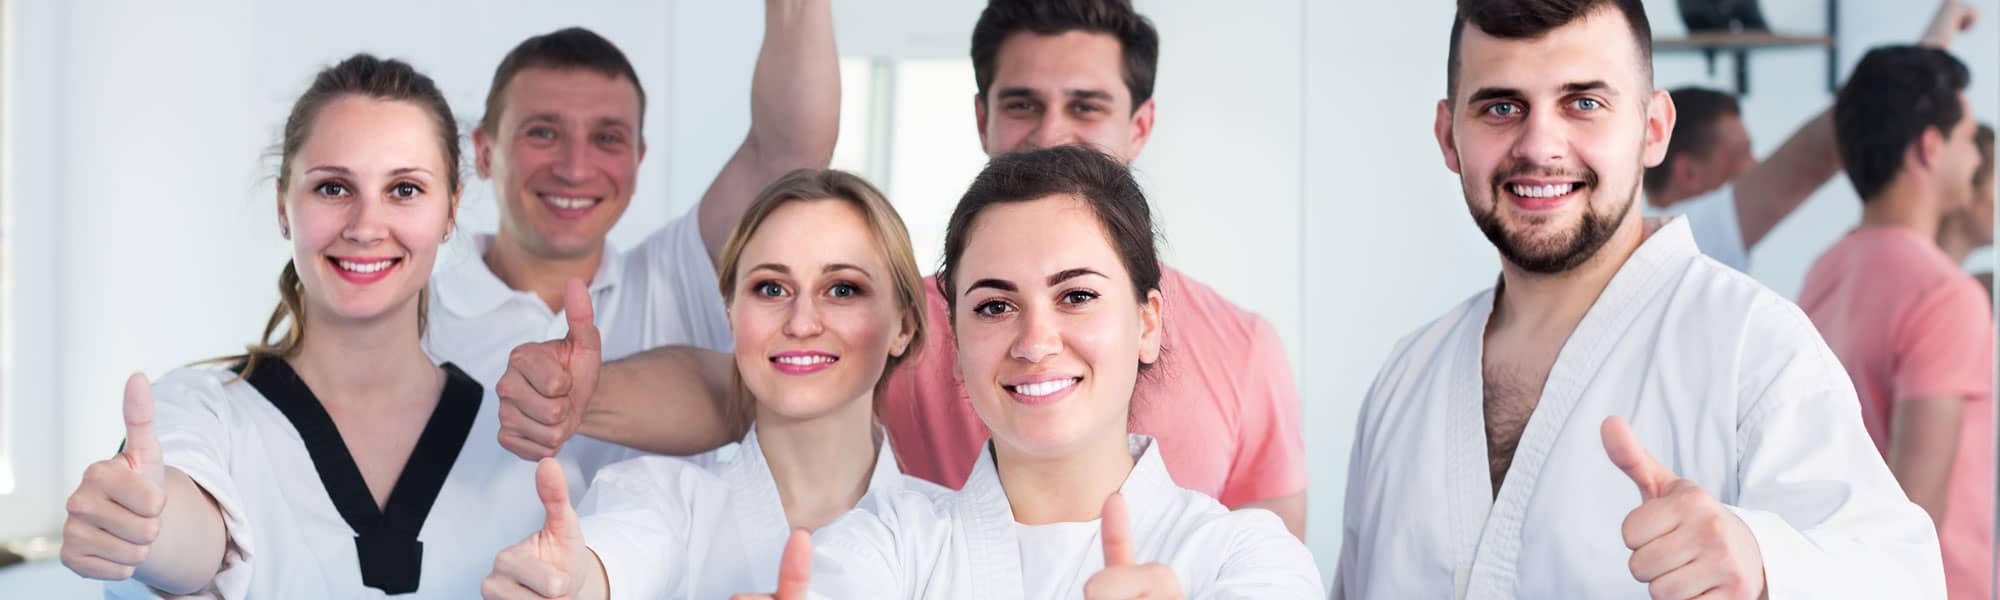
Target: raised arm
{"type": "Point", "coordinates": [794, 113]}
{"type": "Point", "coordinates": [1807, 160]}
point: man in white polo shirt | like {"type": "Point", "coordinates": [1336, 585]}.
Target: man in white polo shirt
{"type": "Point", "coordinates": [561, 142]}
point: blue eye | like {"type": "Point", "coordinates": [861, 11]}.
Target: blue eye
{"type": "Point", "coordinates": [405, 190]}
{"type": "Point", "coordinates": [331, 189]}
{"type": "Point", "coordinates": [770, 290]}
{"type": "Point", "coordinates": [843, 291]}
{"type": "Point", "coordinates": [1503, 109]}
{"type": "Point", "coordinates": [1588, 104]}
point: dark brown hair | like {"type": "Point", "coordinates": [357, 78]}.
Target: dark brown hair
{"type": "Point", "coordinates": [1099, 180]}
{"type": "Point", "coordinates": [569, 48]}
{"type": "Point", "coordinates": [1697, 111]}
{"type": "Point", "coordinates": [1894, 94]}
{"type": "Point", "coordinates": [366, 76]}
{"type": "Point", "coordinates": [1531, 19]}
{"type": "Point", "coordinates": [1137, 39]}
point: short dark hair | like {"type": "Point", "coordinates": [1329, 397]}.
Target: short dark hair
{"type": "Point", "coordinates": [1698, 110]}
{"type": "Point", "coordinates": [1894, 94]}
{"type": "Point", "coordinates": [1531, 19]}
{"type": "Point", "coordinates": [1098, 179]}
{"type": "Point", "coordinates": [570, 48]}
{"type": "Point", "coordinates": [1137, 39]}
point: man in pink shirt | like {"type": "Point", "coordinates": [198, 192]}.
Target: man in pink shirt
{"type": "Point", "coordinates": [1913, 331]}
{"type": "Point", "coordinates": [1049, 73]}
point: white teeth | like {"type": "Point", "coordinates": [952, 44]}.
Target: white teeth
{"type": "Point", "coordinates": [567, 203]}
{"type": "Point", "coordinates": [805, 360]}
{"type": "Point", "coordinates": [1542, 191]}
{"type": "Point", "coordinates": [367, 267]}
{"type": "Point", "coordinates": [1045, 388]}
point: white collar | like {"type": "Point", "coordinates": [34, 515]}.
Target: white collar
{"type": "Point", "coordinates": [469, 288]}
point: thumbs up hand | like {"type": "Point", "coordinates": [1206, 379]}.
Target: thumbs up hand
{"type": "Point", "coordinates": [1684, 542]}
{"type": "Point", "coordinates": [794, 570]}
{"type": "Point", "coordinates": [552, 563]}
{"type": "Point", "coordinates": [114, 514]}
{"type": "Point", "coordinates": [1121, 579]}
{"type": "Point", "coordinates": [548, 384]}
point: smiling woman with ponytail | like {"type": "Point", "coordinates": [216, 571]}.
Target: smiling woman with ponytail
{"type": "Point", "coordinates": [331, 458]}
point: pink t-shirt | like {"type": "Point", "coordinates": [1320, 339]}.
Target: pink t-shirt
{"type": "Point", "coordinates": [1221, 402]}
{"type": "Point", "coordinates": [1907, 323]}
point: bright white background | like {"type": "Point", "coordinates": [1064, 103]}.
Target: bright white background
{"type": "Point", "coordinates": [1292, 169]}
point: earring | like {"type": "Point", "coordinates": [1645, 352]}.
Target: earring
{"type": "Point", "coordinates": [285, 231]}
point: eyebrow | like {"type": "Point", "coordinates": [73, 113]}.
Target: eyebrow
{"type": "Point", "coordinates": [1057, 278]}
{"type": "Point", "coordinates": [340, 170]}
{"type": "Point", "coordinates": [1068, 274]}
{"type": "Point", "coordinates": [827, 269]}
{"type": "Point", "coordinates": [1030, 93]}
{"type": "Point", "coordinates": [1492, 93]}
{"type": "Point", "coordinates": [1501, 93]}
{"type": "Point", "coordinates": [846, 267]}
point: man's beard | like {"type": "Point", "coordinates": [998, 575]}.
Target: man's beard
{"type": "Point", "coordinates": [1564, 250]}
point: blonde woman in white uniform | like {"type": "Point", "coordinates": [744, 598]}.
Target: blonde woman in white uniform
{"type": "Point", "coordinates": [823, 294]}
{"type": "Point", "coordinates": [333, 462]}
{"type": "Point", "coordinates": [1052, 281]}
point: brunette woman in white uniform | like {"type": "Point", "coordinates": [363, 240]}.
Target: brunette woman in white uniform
{"type": "Point", "coordinates": [1052, 281]}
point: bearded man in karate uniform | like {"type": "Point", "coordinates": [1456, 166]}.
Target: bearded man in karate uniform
{"type": "Point", "coordinates": [1620, 415]}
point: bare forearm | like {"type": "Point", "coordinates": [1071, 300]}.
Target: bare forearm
{"type": "Point", "coordinates": [1923, 446]}
{"type": "Point", "coordinates": [1290, 509]}
{"type": "Point", "coordinates": [675, 400]}
{"type": "Point", "coordinates": [1776, 187]}
{"type": "Point", "coordinates": [795, 92]}
{"type": "Point", "coordinates": [794, 112]}
{"type": "Point", "coordinates": [188, 553]}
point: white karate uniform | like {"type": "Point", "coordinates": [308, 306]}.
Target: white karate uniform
{"type": "Point", "coordinates": [288, 527]}
{"type": "Point", "coordinates": [966, 545]}
{"type": "Point", "coordinates": [664, 293]}
{"type": "Point", "coordinates": [1712, 219]}
{"type": "Point", "coordinates": [1722, 380]}
{"type": "Point", "coordinates": [668, 528]}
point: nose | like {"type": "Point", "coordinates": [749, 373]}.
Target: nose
{"type": "Point", "coordinates": [803, 321]}
{"type": "Point", "coordinates": [367, 220]}
{"type": "Point", "coordinates": [1053, 130]}
{"type": "Point", "coordinates": [1544, 139]}
{"type": "Point", "coordinates": [1039, 337]}
{"type": "Point", "coordinates": [573, 161]}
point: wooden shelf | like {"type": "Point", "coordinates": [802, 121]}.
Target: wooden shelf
{"type": "Point", "coordinates": [1747, 40]}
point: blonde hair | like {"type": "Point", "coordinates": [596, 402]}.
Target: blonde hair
{"type": "Point", "coordinates": [890, 234]}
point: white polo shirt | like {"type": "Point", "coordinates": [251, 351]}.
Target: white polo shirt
{"type": "Point", "coordinates": [1712, 219]}
{"type": "Point", "coordinates": [662, 293]}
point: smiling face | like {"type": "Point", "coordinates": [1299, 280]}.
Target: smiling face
{"type": "Point", "coordinates": [1550, 137]}
{"type": "Point", "coordinates": [366, 204]}
{"type": "Point", "coordinates": [564, 159]}
{"type": "Point", "coordinates": [1050, 331]}
{"type": "Point", "coordinates": [1058, 90]}
{"type": "Point", "coordinates": [815, 313]}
